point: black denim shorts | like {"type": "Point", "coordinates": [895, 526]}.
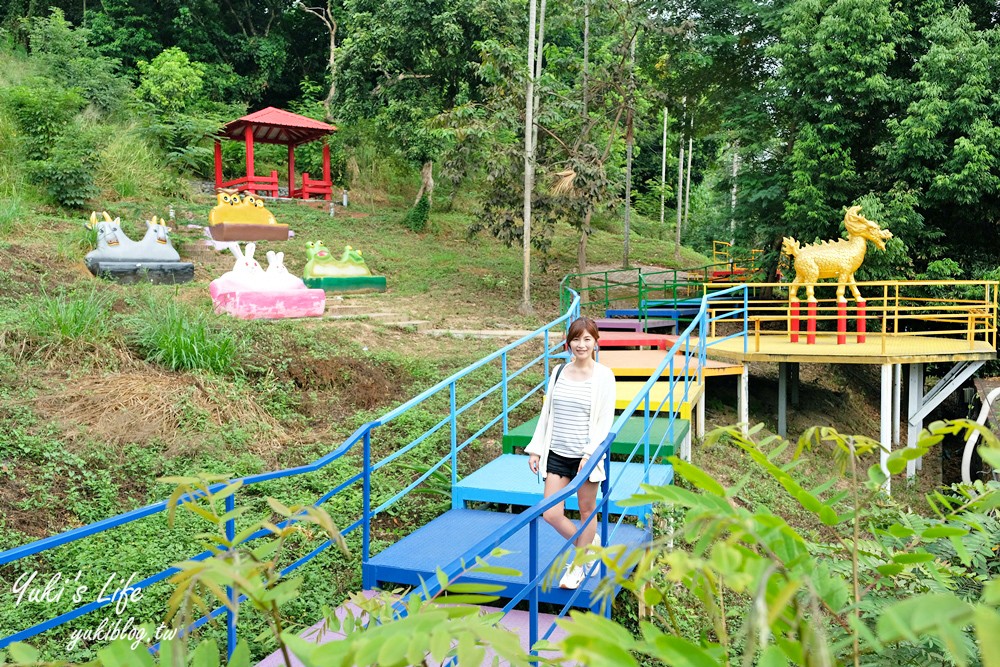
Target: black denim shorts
{"type": "Point", "coordinates": [562, 466]}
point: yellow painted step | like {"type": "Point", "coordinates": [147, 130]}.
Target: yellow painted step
{"type": "Point", "coordinates": [642, 363]}
{"type": "Point", "coordinates": [626, 391]}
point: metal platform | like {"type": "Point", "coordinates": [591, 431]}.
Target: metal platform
{"type": "Point", "coordinates": [623, 444]}
{"type": "Point", "coordinates": [508, 480]}
{"type": "Point", "coordinates": [416, 557]}
{"type": "Point", "coordinates": [877, 349]}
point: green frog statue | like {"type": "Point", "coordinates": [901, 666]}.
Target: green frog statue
{"type": "Point", "coordinates": [348, 274]}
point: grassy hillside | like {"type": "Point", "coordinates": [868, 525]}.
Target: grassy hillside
{"type": "Point", "coordinates": [100, 402]}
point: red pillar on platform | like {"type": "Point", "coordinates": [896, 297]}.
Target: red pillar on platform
{"type": "Point", "coordinates": [794, 315]}
{"type": "Point", "coordinates": [811, 324]}
{"type": "Point", "coordinates": [841, 323]}
{"type": "Point", "coordinates": [248, 139]}
{"type": "Point", "coordinates": [218, 164]}
{"type": "Point", "coordinates": [862, 324]}
{"type": "Point", "coordinates": [326, 168]}
{"type": "Point", "coordinates": [291, 170]}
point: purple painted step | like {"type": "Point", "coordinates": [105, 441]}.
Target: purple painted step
{"type": "Point", "coordinates": [634, 324]}
{"type": "Point", "coordinates": [515, 621]}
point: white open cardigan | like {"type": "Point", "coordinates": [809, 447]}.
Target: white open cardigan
{"type": "Point", "coordinates": [602, 417]}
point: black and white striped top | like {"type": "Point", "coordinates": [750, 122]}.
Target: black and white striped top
{"type": "Point", "coordinates": [571, 403]}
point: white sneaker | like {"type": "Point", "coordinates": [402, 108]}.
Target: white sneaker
{"type": "Point", "coordinates": [573, 578]}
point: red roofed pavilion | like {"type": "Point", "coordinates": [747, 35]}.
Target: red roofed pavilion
{"type": "Point", "coordinates": [274, 126]}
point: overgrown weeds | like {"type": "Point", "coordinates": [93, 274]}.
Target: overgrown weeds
{"type": "Point", "coordinates": [180, 338]}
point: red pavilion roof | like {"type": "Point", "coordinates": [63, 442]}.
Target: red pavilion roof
{"type": "Point", "coordinates": [274, 126]}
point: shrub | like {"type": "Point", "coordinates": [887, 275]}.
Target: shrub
{"type": "Point", "coordinates": [67, 174]}
{"type": "Point", "coordinates": [71, 61]}
{"type": "Point", "coordinates": [416, 218]}
{"type": "Point", "coordinates": [43, 111]}
{"type": "Point", "coordinates": [172, 81]}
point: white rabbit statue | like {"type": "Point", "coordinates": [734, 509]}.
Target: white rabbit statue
{"type": "Point", "coordinates": [277, 275]}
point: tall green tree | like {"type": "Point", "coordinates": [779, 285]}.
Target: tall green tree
{"type": "Point", "coordinates": [945, 148]}
{"type": "Point", "coordinates": [403, 64]}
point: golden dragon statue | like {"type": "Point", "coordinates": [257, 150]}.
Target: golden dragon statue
{"type": "Point", "coordinates": [834, 259]}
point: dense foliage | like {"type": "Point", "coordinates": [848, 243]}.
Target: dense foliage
{"type": "Point", "coordinates": [812, 104]}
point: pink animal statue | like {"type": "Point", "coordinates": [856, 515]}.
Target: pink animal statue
{"type": "Point", "coordinates": [249, 292]}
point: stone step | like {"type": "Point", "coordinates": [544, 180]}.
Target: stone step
{"type": "Point", "coordinates": [419, 325]}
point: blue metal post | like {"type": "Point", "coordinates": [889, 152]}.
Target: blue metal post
{"type": "Point", "coordinates": [454, 437]}
{"type": "Point", "coordinates": [230, 593]}
{"type": "Point", "coordinates": [546, 339]}
{"type": "Point", "coordinates": [503, 374]}
{"type": "Point", "coordinates": [606, 497]}
{"type": "Point", "coordinates": [645, 440]}
{"type": "Point", "coordinates": [746, 313]}
{"type": "Point", "coordinates": [532, 575]}
{"type": "Point", "coordinates": [366, 498]}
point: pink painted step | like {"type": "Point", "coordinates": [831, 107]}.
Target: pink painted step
{"type": "Point", "coordinates": [515, 621]}
{"type": "Point", "coordinates": [271, 305]}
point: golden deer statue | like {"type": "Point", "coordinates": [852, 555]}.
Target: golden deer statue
{"type": "Point", "coordinates": [834, 259]}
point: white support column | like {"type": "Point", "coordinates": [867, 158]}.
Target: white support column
{"type": "Point", "coordinates": [915, 400]}
{"type": "Point", "coordinates": [782, 398]}
{"type": "Point", "coordinates": [885, 432]}
{"type": "Point", "coordinates": [897, 388]}
{"type": "Point", "coordinates": [701, 416]}
{"type": "Point", "coordinates": [743, 400]}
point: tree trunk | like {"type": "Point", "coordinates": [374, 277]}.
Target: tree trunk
{"type": "Point", "coordinates": [663, 171]}
{"type": "Point", "coordinates": [687, 186]}
{"type": "Point", "coordinates": [629, 140]}
{"type": "Point", "coordinates": [426, 183]}
{"type": "Point", "coordinates": [680, 200]}
{"type": "Point", "coordinates": [538, 72]}
{"type": "Point", "coordinates": [581, 251]}
{"type": "Point", "coordinates": [326, 16]}
{"type": "Point", "coordinates": [732, 202]}
{"type": "Point", "coordinates": [328, 102]}
{"type": "Point", "coordinates": [586, 56]}
{"type": "Point", "coordinates": [529, 159]}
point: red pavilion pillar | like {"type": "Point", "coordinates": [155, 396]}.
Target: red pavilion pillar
{"type": "Point", "coordinates": [326, 169]}
{"type": "Point", "coordinates": [291, 170]}
{"type": "Point", "coordinates": [218, 164]}
{"type": "Point", "coordinates": [248, 139]}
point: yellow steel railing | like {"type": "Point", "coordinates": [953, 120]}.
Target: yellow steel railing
{"type": "Point", "coordinates": [939, 308]}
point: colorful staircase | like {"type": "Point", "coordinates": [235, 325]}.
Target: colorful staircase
{"type": "Point", "coordinates": [656, 407]}
{"type": "Point", "coordinates": [413, 561]}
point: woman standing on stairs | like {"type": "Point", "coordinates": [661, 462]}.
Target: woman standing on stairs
{"type": "Point", "coordinates": [577, 415]}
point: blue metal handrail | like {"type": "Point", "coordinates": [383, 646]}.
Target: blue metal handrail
{"type": "Point", "coordinates": [363, 435]}
{"type": "Point", "coordinates": [531, 516]}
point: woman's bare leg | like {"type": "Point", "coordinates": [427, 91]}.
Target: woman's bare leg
{"type": "Point", "coordinates": [587, 498]}
{"type": "Point", "coordinates": [555, 516]}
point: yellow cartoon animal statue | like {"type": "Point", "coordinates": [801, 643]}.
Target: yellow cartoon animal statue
{"type": "Point", "coordinates": [834, 259]}
{"type": "Point", "coordinates": [243, 219]}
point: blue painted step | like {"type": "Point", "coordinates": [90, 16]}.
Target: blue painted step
{"type": "Point", "coordinates": [660, 313]}
{"type": "Point", "coordinates": [623, 444]}
{"type": "Point", "coordinates": [416, 556]}
{"type": "Point", "coordinates": [508, 480]}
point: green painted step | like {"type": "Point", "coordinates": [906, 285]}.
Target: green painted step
{"type": "Point", "coordinates": [627, 437]}
{"type": "Point", "coordinates": [347, 283]}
